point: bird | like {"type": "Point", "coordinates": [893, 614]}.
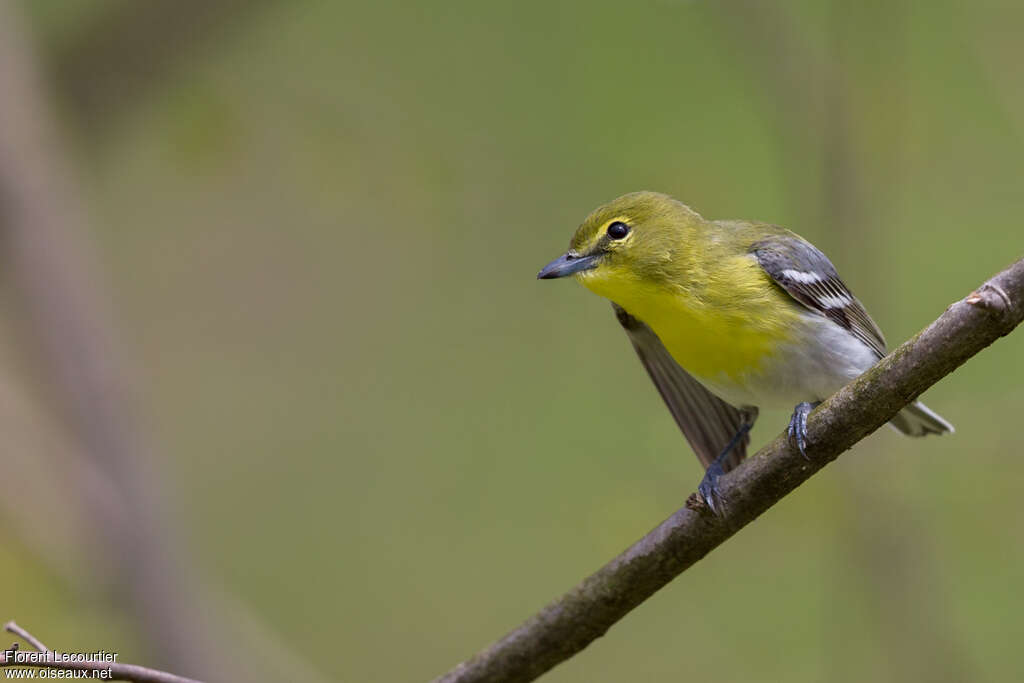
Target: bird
{"type": "Point", "coordinates": [727, 317]}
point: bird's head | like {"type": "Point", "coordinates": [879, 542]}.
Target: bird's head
{"type": "Point", "coordinates": [637, 239]}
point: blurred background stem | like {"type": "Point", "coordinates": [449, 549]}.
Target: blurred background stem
{"type": "Point", "coordinates": [70, 338]}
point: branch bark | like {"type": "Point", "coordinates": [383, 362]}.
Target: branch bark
{"type": "Point", "coordinates": [577, 618]}
{"type": "Point", "coordinates": [44, 658]}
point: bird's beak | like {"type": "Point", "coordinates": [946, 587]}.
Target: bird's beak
{"type": "Point", "coordinates": [567, 264]}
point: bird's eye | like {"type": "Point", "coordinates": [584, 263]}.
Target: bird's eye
{"type": "Point", "coordinates": [618, 230]}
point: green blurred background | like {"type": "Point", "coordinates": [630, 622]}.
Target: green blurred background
{"type": "Point", "coordinates": [319, 226]}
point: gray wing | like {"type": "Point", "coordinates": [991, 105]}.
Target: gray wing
{"type": "Point", "coordinates": [707, 422]}
{"type": "Point", "coordinates": [807, 275]}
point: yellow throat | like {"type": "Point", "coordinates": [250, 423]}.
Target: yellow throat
{"type": "Point", "coordinates": [714, 332]}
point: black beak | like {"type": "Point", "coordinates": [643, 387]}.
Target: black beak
{"type": "Point", "coordinates": [567, 264]}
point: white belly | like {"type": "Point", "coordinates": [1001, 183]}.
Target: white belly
{"type": "Point", "coordinates": [828, 359]}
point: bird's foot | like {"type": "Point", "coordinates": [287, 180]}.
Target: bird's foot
{"type": "Point", "coordinates": [709, 491]}
{"type": "Point", "coordinates": [797, 429]}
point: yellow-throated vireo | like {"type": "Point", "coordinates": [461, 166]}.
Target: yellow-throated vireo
{"type": "Point", "coordinates": [727, 316]}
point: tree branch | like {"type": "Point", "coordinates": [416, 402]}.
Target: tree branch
{"type": "Point", "coordinates": [46, 659]}
{"type": "Point", "coordinates": [573, 621]}
{"type": "Point", "coordinates": [12, 627]}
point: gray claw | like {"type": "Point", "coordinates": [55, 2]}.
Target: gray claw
{"type": "Point", "coordinates": [797, 429]}
{"type": "Point", "coordinates": [710, 492]}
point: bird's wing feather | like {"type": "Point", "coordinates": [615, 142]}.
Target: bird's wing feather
{"type": "Point", "coordinates": [807, 275]}
{"type": "Point", "coordinates": [707, 422]}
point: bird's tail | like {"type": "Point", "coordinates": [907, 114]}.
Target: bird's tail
{"type": "Point", "coordinates": [918, 420]}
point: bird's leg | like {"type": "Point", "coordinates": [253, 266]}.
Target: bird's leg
{"type": "Point", "coordinates": [797, 429]}
{"type": "Point", "coordinates": [708, 488]}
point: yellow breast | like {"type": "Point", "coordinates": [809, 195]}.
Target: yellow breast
{"type": "Point", "coordinates": [727, 328]}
